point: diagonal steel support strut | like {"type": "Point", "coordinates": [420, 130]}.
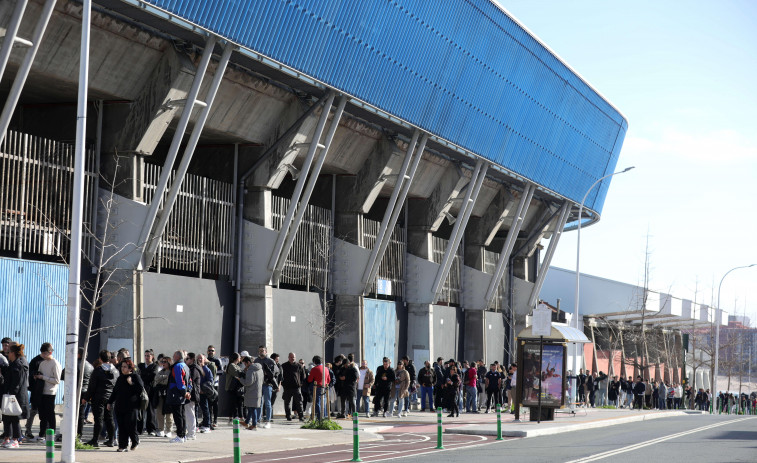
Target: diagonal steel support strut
{"type": "Point", "coordinates": [562, 219]}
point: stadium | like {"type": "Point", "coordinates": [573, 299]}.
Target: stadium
{"type": "Point", "coordinates": [378, 176]}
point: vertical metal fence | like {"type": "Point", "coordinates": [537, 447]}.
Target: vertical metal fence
{"type": "Point", "coordinates": [452, 285]}
{"type": "Point", "coordinates": [36, 195]}
{"type": "Point", "coordinates": [199, 235]}
{"type": "Point", "coordinates": [307, 262]}
{"type": "Point", "coordinates": [390, 277]}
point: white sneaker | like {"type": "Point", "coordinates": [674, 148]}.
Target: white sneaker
{"type": "Point", "coordinates": [168, 434]}
{"type": "Point", "coordinates": [404, 414]}
{"type": "Point", "coordinates": [161, 434]}
{"type": "Point", "coordinates": [204, 430]}
{"type": "Point", "coordinates": [177, 440]}
{"type": "Point", "coordinates": [267, 425]}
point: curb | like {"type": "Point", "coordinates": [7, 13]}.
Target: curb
{"type": "Point", "coordinates": [561, 429]}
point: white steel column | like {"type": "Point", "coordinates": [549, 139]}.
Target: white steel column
{"type": "Point", "coordinates": [10, 34]}
{"type": "Point", "coordinates": [396, 213]}
{"type": "Point", "coordinates": [165, 213]}
{"type": "Point", "coordinates": [401, 178]}
{"type": "Point", "coordinates": [26, 65]}
{"type": "Point", "coordinates": [474, 186]}
{"type": "Point", "coordinates": [312, 180]}
{"type": "Point", "coordinates": [562, 219]}
{"type": "Point", "coordinates": [165, 174]}
{"type": "Point", "coordinates": [512, 235]}
{"type": "Point", "coordinates": [314, 145]}
{"type": "Point", "coordinates": [71, 400]}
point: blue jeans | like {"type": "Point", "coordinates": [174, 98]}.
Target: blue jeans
{"type": "Point", "coordinates": [319, 397]}
{"type": "Point", "coordinates": [267, 411]}
{"type": "Point", "coordinates": [252, 416]}
{"type": "Point", "coordinates": [205, 406]}
{"type": "Point", "coordinates": [427, 391]}
{"type": "Point", "coordinates": [471, 402]}
{"type": "Point", "coordinates": [365, 400]}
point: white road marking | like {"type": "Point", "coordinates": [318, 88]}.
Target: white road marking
{"type": "Point", "coordinates": [610, 453]}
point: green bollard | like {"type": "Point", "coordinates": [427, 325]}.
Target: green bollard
{"type": "Point", "coordinates": [50, 445]}
{"type": "Point", "coordinates": [237, 450]}
{"type": "Point", "coordinates": [355, 439]}
{"type": "Point", "coordinates": [439, 429]}
{"type": "Point", "coordinates": [499, 422]}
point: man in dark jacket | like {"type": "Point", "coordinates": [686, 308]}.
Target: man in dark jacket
{"type": "Point", "coordinates": [147, 371]}
{"type": "Point", "coordinates": [385, 377]}
{"type": "Point", "coordinates": [427, 380]}
{"type": "Point", "coordinates": [270, 372]}
{"type": "Point", "coordinates": [638, 391]}
{"type": "Point", "coordinates": [100, 388]}
{"type": "Point", "coordinates": [591, 387]}
{"type": "Point", "coordinates": [35, 391]}
{"type": "Point", "coordinates": [349, 374]}
{"type": "Point", "coordinates": [86, 372]}
{"type": "Point", "coordinates": [292, 379]}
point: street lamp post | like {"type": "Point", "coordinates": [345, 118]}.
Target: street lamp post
{"type": "Point", "coordinates": [578, 273]}
{"type": "Point", "coordinates": [717, 331]}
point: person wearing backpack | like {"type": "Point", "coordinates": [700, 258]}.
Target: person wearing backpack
{"type": "Point", "coordinates": [208, 393]}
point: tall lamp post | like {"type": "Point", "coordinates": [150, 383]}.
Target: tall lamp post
{"type": "Point", "coordinates": [717, 331]}
{"type": "Point", "coordinates": [578, 273]}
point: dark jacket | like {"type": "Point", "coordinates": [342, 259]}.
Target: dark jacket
{"type": "Point", "coordinates": [147, 373]}
{"type": "Point", "coordinates": [427, 377]}
{"type": "Point", "coordinates": [101, 384]}
{"type": "Point", "coordinates": [639, 388]}
{"type": "Point", "coordinates": [270, 371]}
{"type": "Point", "coordinates": [384, 378]}
{"type": "Point", "coordinates": [196, 375]}
{"type": "Point", "coordinates": [35, 385]}
{"type": "Point", "coordinates": [87, 371]}
{"type": "Point", "coordinates": [16, 383]}
{"type": "Point", "coordinates": [292, 375]}
{"type": "Point", "coordinates": [127, 395]}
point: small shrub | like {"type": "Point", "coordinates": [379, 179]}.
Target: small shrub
{"type": "Point", "coordinates": [326, 425]}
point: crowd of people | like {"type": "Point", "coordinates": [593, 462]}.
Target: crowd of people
{"type": "Point", "coordinates": [176, 396]}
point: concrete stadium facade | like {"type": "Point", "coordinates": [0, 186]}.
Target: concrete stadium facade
{"type": "Point", "coordinates": [299, 198]}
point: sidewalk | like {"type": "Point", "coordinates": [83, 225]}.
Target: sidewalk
{"type": "Point", "coordinates": [285, 435]}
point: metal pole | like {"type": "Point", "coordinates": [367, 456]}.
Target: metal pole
{"type": "Point", "coordinates": [578, 271]}
{"type": "Point", "coordinates": [237, 450]}
{"type": "Point", "coordinates": [26, 65]}
{"type": "Point", "coordinates": [71, 400]}
{"type": "Point", "coordinates": [355, 439]}
{"type": "Point", "coordinates": [401, 178]}
{"type": "Point", "coordinates": [10, 34]}
{"type": "Point", "coordinates": [303, 201]}
{"type": "Point", "coordinates": [718, 321]}
{"type": "Point", "coordinates": [173, 151]}
{"type": "Point", "coordinates": [541, 354]}
{"type": "Point", "coordinates": [439, 430]}
{"type": "Point", "coordinates": [499, 422]}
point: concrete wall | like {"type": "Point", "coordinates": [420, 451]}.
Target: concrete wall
{"type": "Point", "coordinates": [194, 313]}
{"type": "Point", "coordinates": [447, 332]}
{"type": "Point", "coordinates": [298, 315]}
{"type": "Point", "coordinates": [484, 336]}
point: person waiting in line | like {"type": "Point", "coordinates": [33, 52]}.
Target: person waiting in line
{"type": "Point", "coordinates": [427, 380]}
{"type": "Point", "coordinates": [101, 384]}
{"type": "Point", "coordinates": [493, 382]}
{"type": "Point", "coordinates": [401, 388]}
{"type": "Point", "coordinates": [292, 378]}
{"type": "Point", "coordinates": [385, 377]}
{"type": "Point", "coordinates": [452, 390]}
{"type": "Point", "coordinates": [319, 378]}
{"type": "Point", "coordinates": [126, 397]}
{"type": "Point", "coordinates": [365, 383]}
{"type": "Point", "coordinates": [163, 416]}
{"type": "Point", "coordinates": [15, 383]}
{"type": "Point", "coordinates": [49, 374]}
{"type": "Point", "coordinates": [234, 387]}
{"type": "Point", "coordinates": [253, 380]}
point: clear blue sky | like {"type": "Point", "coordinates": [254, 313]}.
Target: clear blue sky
{"type": "Point", "coordinates": [684, 73]}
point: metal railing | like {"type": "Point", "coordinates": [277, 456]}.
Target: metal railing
{"type": "Point", "coordinates": [36, 196]}
{"type": "Point", "coordinates": [199, 235]}
{"type": "Point", "coordinates": [308, 261]}
{"type": "Point", "coordinates": [390, 277]}
{"type": "Point", "coordinates": [451, 289]}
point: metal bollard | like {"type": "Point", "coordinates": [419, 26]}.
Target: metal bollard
{"type": "Point", "coordinates": [439, 429]}
{"type": "Point", "coordinates": [237, 450]}
{"type": "Point", "coordinates": [50, 446]}
{"type": "Point", "coordinates": [499, 422]}
{"type": "Point", "coordinates": [355, 439]}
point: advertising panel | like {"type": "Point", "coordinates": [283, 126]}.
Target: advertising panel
{"type": "Point", "coordinates": [547, 381]}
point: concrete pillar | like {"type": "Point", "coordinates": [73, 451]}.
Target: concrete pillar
{"type": "Point", "coordinates": [475, 344]}
{"type": "Point", "coordinates": [348, 312]}
{"type": "Point", "coordinates": [420, 331]}
{"type": "Point", "coordinates": [256, 317]}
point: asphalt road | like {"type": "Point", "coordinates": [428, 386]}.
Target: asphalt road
{"type": "Point", "coordinates": [691, 438]}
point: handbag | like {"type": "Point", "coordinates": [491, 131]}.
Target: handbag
{"type": "Point", "coordinates": [144, 400]}
{"type": "Point", "coordinates": [10, 405]}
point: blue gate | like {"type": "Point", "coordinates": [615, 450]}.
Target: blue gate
{"type": "Point", "coordinates": [33, 297]}
{"type": "Point", "coordinates": [380, 331]}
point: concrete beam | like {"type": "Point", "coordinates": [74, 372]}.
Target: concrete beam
{"type": "Point", "coordinates": [426, 215]}
{"type": "Point", "coordinates": [156, 105]}
{"type": "Point", "coordinates": [481, 230]}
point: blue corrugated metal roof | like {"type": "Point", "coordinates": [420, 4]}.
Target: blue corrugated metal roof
{"type": "Point", "coordinates": [463, 70]}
